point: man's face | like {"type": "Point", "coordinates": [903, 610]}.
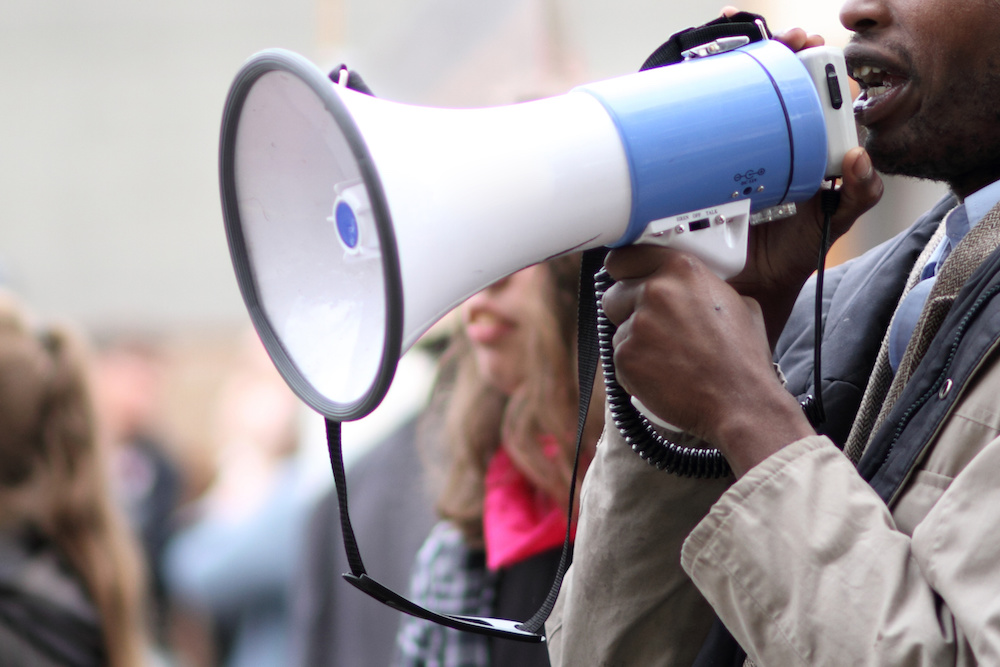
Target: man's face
{"type": "Point", "coordinates": [930, 77]}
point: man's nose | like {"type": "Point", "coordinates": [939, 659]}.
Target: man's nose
{"type": "Point", "coordinates": [863, 15]}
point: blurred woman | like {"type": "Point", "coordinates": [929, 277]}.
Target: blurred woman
{"type": "Point", "coordinates": [232, 561]}
{"type": "Point", "coordinates": [509, 431]}
{"type": "Point", "coordinates": [69, 572]}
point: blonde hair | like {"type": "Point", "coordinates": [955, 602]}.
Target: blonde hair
{"type": "Point", "coordinates": [477, 417]}
{"type": "Point", "coordinates": [52, 474]}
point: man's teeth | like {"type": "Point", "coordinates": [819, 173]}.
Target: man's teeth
{"type": "Point", "coordinates": [862, 73]}
{"type": "Point", "coordinates": [871, 80]}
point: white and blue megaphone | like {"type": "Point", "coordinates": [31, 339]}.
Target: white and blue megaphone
{"type": "Point", "coordinates": [355, 223]}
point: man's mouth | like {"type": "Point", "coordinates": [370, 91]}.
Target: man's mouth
{"type": "Point", "coordinates": [878, 86]}
{"type": "Point", "coordinates": [872, 83]}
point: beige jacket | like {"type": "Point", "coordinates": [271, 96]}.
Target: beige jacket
{"type": "Point", "coordinates": [802, 560]}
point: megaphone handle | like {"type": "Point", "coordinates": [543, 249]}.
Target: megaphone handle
{"type": "Point", "coordinates": [656, 449]}
{"type": "Point", "coordinates": [588, 356]}
{"type": "Point", "coordinates": [638, 430]}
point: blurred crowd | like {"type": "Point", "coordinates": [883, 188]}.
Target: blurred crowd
{"type": "Point", "coordinates": [213, 545]}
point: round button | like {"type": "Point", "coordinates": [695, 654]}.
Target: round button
{"type": "Point", "coordinates": [347, 224]}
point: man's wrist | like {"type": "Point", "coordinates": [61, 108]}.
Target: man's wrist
{"type": "Point", "coordinates": [748, 436]}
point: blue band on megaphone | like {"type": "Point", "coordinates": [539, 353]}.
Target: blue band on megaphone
{"type": "Point", "coordinates": [677, 124]}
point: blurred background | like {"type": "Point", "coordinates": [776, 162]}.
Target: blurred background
{"type": "Point", "coordinates": [108, 170]}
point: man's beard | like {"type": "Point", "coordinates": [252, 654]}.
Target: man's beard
{"type": "Point", "coordinates": [948, 139]}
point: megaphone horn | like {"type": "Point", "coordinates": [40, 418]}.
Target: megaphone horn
{"type": "Point", "coordinates": [355, 223]}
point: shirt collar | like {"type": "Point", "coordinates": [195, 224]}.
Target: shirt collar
{"type": "Point", "coordinates": [979, 203]}
{"type": "Point", "coordinates": [967, 215]}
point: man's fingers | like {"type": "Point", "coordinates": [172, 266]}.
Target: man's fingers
{"type": "Point", "coordinates": [635, 261]}
{"type": "Point", "coordinates": [619, 302]}
{"type": "Point", "coordinates": [861, 188]}
{"type": "Point", "coordinates": [630, 267]}
{"type": "Point", "coordinates": [797, 39]}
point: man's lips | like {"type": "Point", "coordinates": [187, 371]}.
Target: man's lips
{"type": "Point", "coordinates": [881, 93]}
{"type": "Point", "coordinates": [883, 86]}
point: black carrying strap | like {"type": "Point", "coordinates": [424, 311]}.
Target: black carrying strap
{"type": "Point", "coordinates": [359, 578]}
{"type": "Point", "coordinates": [530, 630]}
{"type": "Point", "coordinates": [354, 80]}
{"type": "Point", "coordinates": [588, 357]}
{"type": "Point", "coordinates": [741, 24]}
{"type": "Point", "coordinates": [335, 448]}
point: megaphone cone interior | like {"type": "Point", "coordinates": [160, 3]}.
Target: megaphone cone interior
{"type": "Point", "coordinates": [355, 223]}
{"type": "Point", "coordinates": [328, 306]}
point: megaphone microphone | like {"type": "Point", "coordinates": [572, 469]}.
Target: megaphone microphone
{"type": "Point", "coordinates": [355, 223]}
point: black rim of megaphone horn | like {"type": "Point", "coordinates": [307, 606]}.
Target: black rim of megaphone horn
{"type": "Point", "coordinates": [287, 61]}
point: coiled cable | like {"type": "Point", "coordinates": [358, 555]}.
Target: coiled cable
{"type": "Point", "coordinates": [656, 449]}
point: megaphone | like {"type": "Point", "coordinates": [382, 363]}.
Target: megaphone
{"type": "Point", "coordinates": [355, 223]}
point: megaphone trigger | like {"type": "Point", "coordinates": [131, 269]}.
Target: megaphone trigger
{"type": "Point", "coordinates": [717, 235]}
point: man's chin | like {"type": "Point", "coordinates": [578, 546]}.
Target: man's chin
{"type": "Point", "coordinates": [900, 157]}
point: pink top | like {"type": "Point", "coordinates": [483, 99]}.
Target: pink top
{"type": "Point", "coordinates": [519, 521]}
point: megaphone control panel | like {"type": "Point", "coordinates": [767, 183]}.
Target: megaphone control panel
{"type": "Point", "coordinates": [717, 234]}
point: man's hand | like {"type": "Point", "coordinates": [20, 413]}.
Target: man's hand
{"type": "Point", "coordinates": [695, 352]}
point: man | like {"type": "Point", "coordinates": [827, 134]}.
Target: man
{"type": "Point", "coordinates": [885, 556]}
